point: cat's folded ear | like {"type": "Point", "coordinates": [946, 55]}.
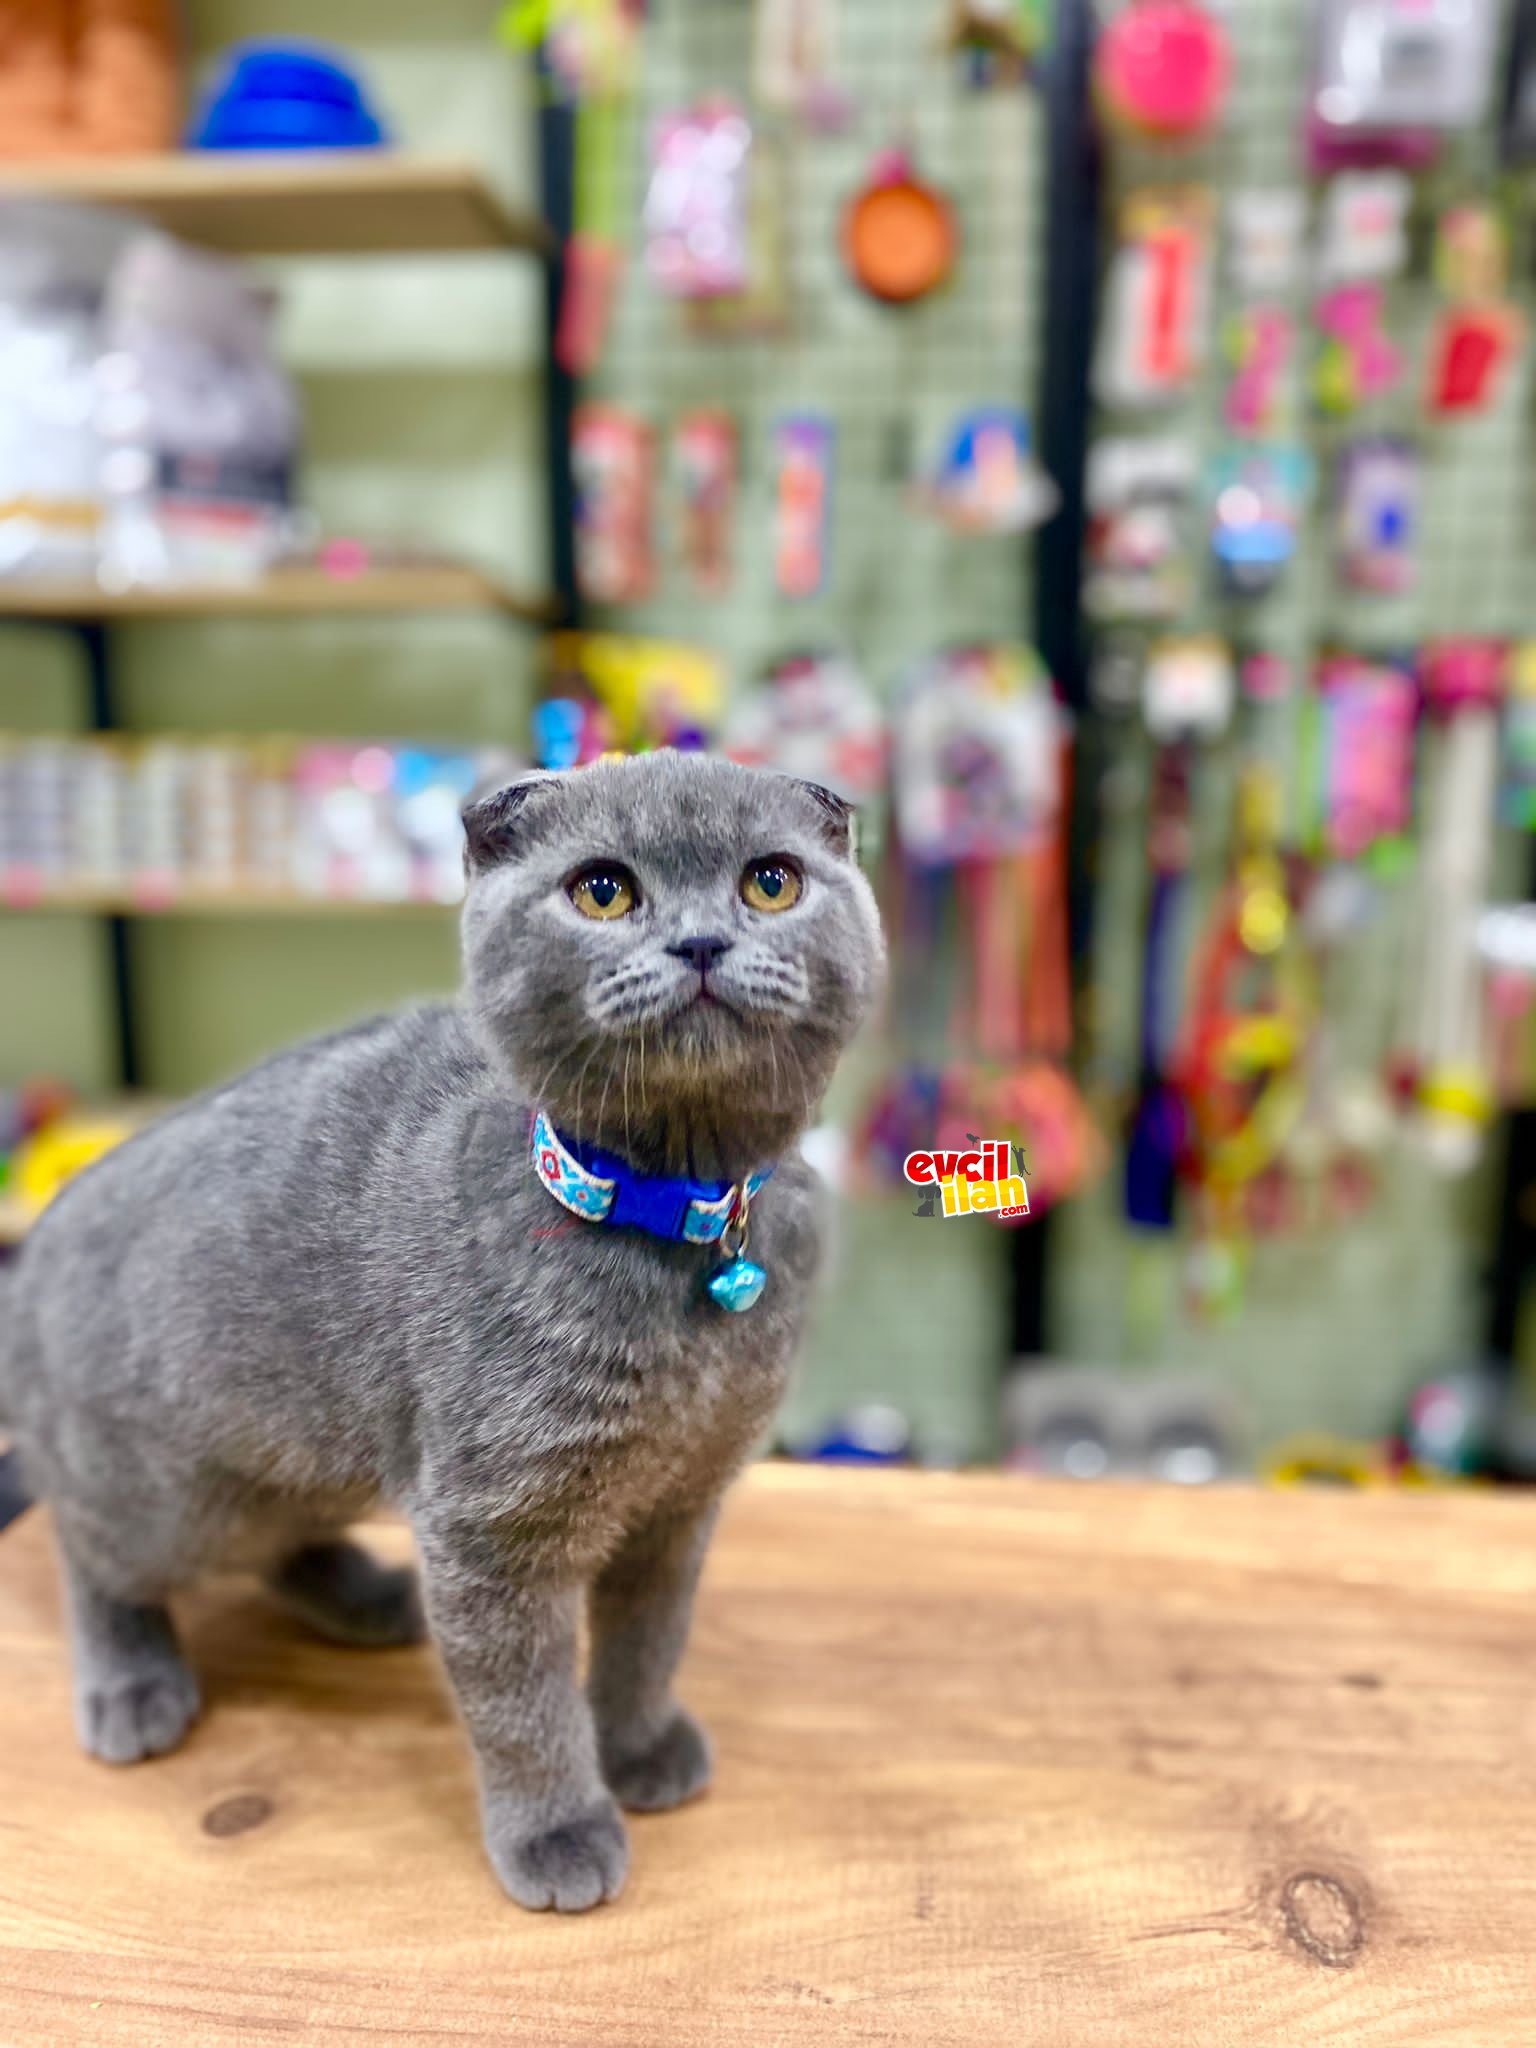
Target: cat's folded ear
{"type": "Point", "coordinates": [839, 820]}
{"type": "Point", "coordinates": [494, 826]}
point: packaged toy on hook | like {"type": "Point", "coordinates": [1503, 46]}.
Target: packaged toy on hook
{"type": "Point", "coordinates": [1258, 495]}
{"type": "Point", "coordinates": [1357, 362]}
{"type": "Point", "coordinates": [1517, 799]}
{"type": "Point", "coordinates": [1363, 227]}
{"type": "Point", "coordinates": [1479, 333]}
{"type": "Point", "coordinates": [1384, 66]}
{"type": "Point", "coordinates": [1139, 497]}
{"type": "Point", "coordinates": [1364, 723]}
{"type": "Point", "coordinates": [813, 716]}
{"type": "Point", "coordinates": [1265, 228]}
{"type": "Point", "coordinates": [1188, 687]}
{"type": "Point", "coordinates": [989, 480]}
{"type": "Point", "coordinates": [804, 447]}
{"type": "Point", "coordinates": [647, 693]}
{"type": "Point", "coordinates": [979, 772]}
{"type": "Point", "coordinates": [1473, 347]}
{"type": "Point", "coordinates": [1158, 1134]}
{"type": "Point", "coordinates": [1463, 684]}
{"type": "Point", "coordinates": [978, 892]}
{"type": "Point", "coordinates": [978, 756]}
{"type": "Point", "coordinates": [1259, 341]}
{"type": "Point", "coordinates": [1271, 1144]}
{"type": "Point", "coordinates": [705, 449]}
{"type": "Point", "coordinates": [1380, 486]}
{"type": "Point", "coordinates": [695, 214]}
{"type": "Point", "coordinates": [1152, 340]}
{"type": "Point", "coordinates": [613, 462]}
{"type": "Point", "coordinates": [571, 732]}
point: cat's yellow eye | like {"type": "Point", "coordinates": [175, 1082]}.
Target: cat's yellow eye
{"type": "Point", "coordinates": [773, 884]}
{"type": "Point", "coordinates": [604, 892]}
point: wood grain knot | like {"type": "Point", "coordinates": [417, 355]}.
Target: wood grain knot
{"type": "Point", "coordinates": [233, 1816]}
{"type": "Point", "coordinates": [1323, 1919]}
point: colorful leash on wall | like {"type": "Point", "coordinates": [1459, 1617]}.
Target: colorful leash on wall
{"type": "Point", "coordinates": [1159, 1128]}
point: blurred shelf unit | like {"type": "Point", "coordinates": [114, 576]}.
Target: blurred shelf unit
{"type": "Point", "coordinates": [364, 202]}
{"type": "Point", "coordinates": [194, 901]}
{"type": "Point", "coordinates": [335, 203]}
{"type": "Point", "coordinates": [298, 592]}
{"type": "Point", "coordinates": [163, 824]}
{"type": "Point", "coordinates": [331, 203]}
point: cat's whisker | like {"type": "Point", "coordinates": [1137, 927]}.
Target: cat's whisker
{"type": "Point", "coordinates": [602, 1103]}
{"type": "Point", "coordinates": [581, 1081]}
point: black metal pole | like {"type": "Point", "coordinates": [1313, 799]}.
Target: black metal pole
{"type": "Point", "coordinates": [1515, 1241]}
{"type": "Point", "coordinates": [557, 191]}
{"type": "Point", "coordinates": [91, 636]}
{"type": "Point", "coordinates": [1071, 296]}
{"type": "Point", "coordinates": [1071, 285]}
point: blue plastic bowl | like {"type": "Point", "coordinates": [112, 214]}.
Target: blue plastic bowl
{"type": "Point", "coordinates": [285, 96]}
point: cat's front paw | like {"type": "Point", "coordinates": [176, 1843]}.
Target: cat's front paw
{"type": "Point", "coordinates": [126, 1717]}
{"type": "Point", "coordinates": [675, 1767]}
{"type": "Point", "coordinates": [577, 1864]}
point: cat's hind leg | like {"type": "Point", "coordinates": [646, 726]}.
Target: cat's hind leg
{"type": "Point", "coordinates": [135, 1696]}
{"type": "Point", "coordinates": [345, 1594]}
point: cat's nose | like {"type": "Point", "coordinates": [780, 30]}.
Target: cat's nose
{"type": "Point", "coordinates": [701, 953]}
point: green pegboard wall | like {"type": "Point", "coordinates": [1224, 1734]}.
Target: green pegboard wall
{"type": "Point", "coordinates": [892, 381]}
{"type": "Point", "coordinates": [1335, 1327]}
{"type": "Point", "coordinates": [1479, 500]}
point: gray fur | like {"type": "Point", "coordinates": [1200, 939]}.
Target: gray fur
{"type": "Point", "coordinates": [338, 1281]}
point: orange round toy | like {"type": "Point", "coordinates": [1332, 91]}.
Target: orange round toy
{"type": "Point", "coordinates": [900, 238]}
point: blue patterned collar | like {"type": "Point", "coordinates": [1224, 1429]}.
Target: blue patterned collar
{"type": "Point", "coordinates": [601, 1187]}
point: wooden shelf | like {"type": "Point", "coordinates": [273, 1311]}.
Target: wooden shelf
{"type": "Point", "coordinates": [196, 902]}
{"type": "Point", "coordinates": [281, 203]}
{"type": "Point", "coordinates": [300, 592]}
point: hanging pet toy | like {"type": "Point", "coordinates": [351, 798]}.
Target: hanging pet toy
{"type": "Point", "coordinates": [989, 480]}
{"type": "Point", "coordinates": [1162, 70]}
{"type": "Point", "coordinates": [900, 236]}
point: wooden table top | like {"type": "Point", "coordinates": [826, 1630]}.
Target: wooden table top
{"type": "Point", "coordinates": [999, 1763]}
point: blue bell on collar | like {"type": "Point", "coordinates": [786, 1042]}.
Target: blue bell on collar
{"type": "Point", "coordinates": [737, 1285]}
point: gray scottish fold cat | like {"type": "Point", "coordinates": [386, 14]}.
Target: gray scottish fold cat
{"type": "Point", "coordinates": [348, 1277]}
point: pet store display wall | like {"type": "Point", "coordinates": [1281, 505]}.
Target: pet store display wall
{"type": "Point", "coordinates": [1315, 494]}
{"type": "Point", "coordinates": [806, 314]}
{"type": "Point", "coordinates": [785, 476]}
